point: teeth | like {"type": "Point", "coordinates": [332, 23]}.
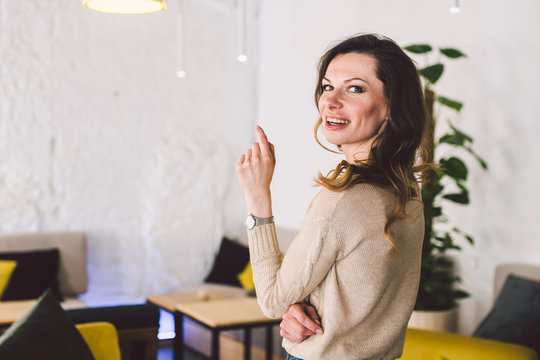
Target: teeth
{"type": "Point", "coordinates": [333, 121]}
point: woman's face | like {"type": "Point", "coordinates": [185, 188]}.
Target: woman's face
{"type": "Point", "coordinates": [353, 106]}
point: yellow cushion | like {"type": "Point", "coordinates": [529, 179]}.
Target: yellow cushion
{"type": "Point", "coordinates": [6, 269]}
{"type": "Point", "coordinates": [246, 278]}
{"type": "Point", "coordinates": [430, 345]}
{"type": "Point", "coordinates": [102, 339]}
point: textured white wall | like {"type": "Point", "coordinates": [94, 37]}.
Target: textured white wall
{"type": "Point", "coordinates": [98, 134]}
{"type": "Point", "coordinates": [497, 83]}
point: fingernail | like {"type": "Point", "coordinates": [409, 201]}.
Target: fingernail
{"type": "Point", "coordinates": [319, 332]}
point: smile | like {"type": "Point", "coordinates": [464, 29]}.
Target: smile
{"type": "Point", "coordinates": [332, 121]}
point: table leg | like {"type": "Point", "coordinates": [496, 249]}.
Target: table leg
{"type": "Point", "coordinates": [247, 343]}
{"type": "Point", "coordinates": [214, 354]}
{"type": "Point", "coordinates": [269, 341]}
{"type": "Point", "coordinates": [178, 345]}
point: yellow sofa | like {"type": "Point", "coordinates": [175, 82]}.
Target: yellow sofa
{"type": "Point", "coordinates": [102, 339]}
{"type": "Point", "coordinates": [423, 344]}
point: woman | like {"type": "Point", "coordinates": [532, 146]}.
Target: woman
{"type": "Point", "coordinates": [357, 256]}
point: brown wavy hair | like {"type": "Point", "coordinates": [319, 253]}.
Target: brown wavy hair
{"type": "Point", "coordinates": [397, 154]}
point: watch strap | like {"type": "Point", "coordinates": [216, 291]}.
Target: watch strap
{"type": "Point", "coordinates": [263, 221]}
{"type": "Point", "coordinates": [252, 221]}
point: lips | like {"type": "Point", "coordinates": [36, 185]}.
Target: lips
{"type": "Point", "coordinates": [332, 123]}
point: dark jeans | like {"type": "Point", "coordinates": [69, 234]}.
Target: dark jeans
{"type": "Point", "coordinates": [290, 357]}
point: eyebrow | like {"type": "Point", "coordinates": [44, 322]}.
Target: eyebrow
{"type": "Point", "coordinates": [348, 80]}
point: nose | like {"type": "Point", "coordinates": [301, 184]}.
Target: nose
{"type": "Point", "coordinates": [332, 100]}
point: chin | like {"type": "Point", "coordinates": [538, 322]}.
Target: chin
{"type": "Point", "coordinates": [333, 141]}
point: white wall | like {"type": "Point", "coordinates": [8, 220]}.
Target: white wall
{"type": "Point", "coordinates": [97, 134]}
{"type": "Point", "coordinates": [497, 82]}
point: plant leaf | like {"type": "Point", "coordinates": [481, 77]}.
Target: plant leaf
{"type": "Point", "coordinates": [433, 72]}
{"type": "Point", "coordinates": [418, 48]}
{"type": "Point", "coordinates": [452, 53]}
{"type": "Point", "coordinates": [453, 104]}
{"type": "Point", "coordinates": [459, 132]}
{"type": "Point", "coordinates": [460, 294]}
{"type": "Point", "coordinates": [455, 168]}
{"type": "Point", "coordinates": [461, 198]}
{"type": "Point", "coordinates": [458, 138]}
{"type": "Point", "coordinates": [451, 139]}
{"type": "Point", "coordinates": [478, 158]}
{"type": "Point", "coordinates": [431, 190]}
{"type": "Point", "coordinates": [468, 237]}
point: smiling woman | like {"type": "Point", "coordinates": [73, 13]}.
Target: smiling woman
{"type": "Point", "coordinates": [348, 282]}
{"type": "Point", "coordinates": [352, 104]}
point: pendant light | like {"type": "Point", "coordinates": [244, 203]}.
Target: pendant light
{"type": "Point", "coordinates": [180, 40]}
{"type": "Point", "coordinates": [241, 13]}
{"type": "Point", "coordinates": [125, 6]}
{"type": "Point", "coordinates": [454, 8]}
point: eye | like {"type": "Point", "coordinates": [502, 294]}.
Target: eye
{"type": "Point", "coordinates": [327, 87]}
{"type": "Point", "coordinates": [356, 89]}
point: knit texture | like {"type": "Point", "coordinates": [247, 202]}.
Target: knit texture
{"type": "Point", "coordinates": [342, 263]}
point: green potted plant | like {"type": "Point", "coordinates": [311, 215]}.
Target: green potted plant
{"type": "Point", "coordinates": [438, 282]}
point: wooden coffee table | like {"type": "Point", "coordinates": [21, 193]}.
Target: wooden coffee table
{"type": "Point", "coordinates": [221, 312]}
{"type": "Point", "coordinates": [11, 311]}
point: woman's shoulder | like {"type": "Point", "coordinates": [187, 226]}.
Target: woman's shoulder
{"type": "Point", "coordinates": [368, 192]}
{"type": "Point", "coordinates": [358, 196]}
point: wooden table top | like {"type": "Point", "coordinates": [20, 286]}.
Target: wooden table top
{"type": "Point", "coordinates": [11, 311]}
{"type": "Point", "coordinates": [221, 309]}
{"type": "Point", "coordinates": [170, 301]}
{"type": "Point", "coordinates": [225, 312]}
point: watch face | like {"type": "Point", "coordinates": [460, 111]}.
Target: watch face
{"type": "Point", "coordinates": [250, 222]}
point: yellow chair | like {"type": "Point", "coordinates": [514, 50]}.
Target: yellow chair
{"type": "Point", "coordinates": [102, 339]}
{"type": "Point", "coordinates": [434, 345]}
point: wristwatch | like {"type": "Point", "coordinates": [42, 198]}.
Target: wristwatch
{"type": "Point", "coordinates": [252, 221]}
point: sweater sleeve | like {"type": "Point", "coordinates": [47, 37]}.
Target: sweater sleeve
{"type": "Point", "coordinates": [279, 284]}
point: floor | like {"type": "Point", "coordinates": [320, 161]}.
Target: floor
{"type": "Point", "coordinates": [165, 352]}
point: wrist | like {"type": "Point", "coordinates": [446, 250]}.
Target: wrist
{"type": "Point", "coordinates": [259, 205]}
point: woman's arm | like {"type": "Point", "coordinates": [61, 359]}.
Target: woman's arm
{"type": "Point", "coordinates": [309, 257]}
{"type": "Point", "coordinates": [255, 169]}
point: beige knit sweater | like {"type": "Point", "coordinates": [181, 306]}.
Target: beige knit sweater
{"type": "Point", "coordinates": [343, 264]}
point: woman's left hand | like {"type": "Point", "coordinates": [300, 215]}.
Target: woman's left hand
{"type": "Point", "coordinates": [255, 169]}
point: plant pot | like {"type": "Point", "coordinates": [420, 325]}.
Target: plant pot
{"type": "Point", "coordinates": [445, 320]}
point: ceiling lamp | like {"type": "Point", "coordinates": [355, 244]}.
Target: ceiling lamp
{"type": "Point", "coordinates": [454, 8]}
{"type": "Point", "coordinates": [125, 6]}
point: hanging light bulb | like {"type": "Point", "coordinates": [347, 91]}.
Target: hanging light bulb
{"type": "Point", "coordinates": [180, 39]}
{"type": "Point", "coordinates": [242, 54]}
{"type": "Point", "coordinates": [454, 8]}
{"type": "Point", "coordinates": [125, 6]}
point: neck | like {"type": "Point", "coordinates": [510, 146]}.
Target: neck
{"type": "Point", "coordinates": [356, 153]}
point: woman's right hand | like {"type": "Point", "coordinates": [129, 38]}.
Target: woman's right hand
{"type": "Point", "coordinates": [255, 169]}
{"type": "Point", "coordinates": [300, 322]}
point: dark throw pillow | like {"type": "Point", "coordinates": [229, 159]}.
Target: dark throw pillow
{"type": "Point", "coordinates": [35, 272]}
{"type": "Point", "coordinates": [44, 332]}
{"type": "Point", "coordinates": [515, 317]}
{"type": "Point", "coordinates": [229, 262]}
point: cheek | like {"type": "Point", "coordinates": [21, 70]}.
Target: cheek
{"type": "Point", "coordinates": [320, 104]}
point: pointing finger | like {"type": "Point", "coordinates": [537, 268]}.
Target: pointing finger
{"type": "Point", "coordinates": [273, 152]}
{"type": "Point", "coordinates": [263, 141]}
{"type": "Point", "coordinates": [256, 150]}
